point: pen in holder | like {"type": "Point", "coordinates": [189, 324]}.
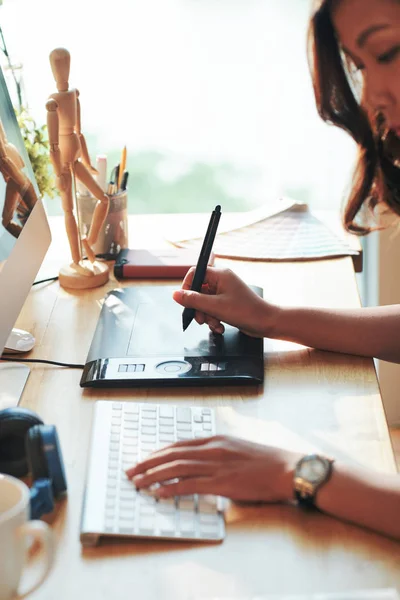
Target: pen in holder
{"type": "Point", "coordinates": [114, 235]}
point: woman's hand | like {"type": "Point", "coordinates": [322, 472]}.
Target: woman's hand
{"type": "Point", "coordinates": [225, 297]}
{"type": "Point", "coordinates": [221, 465]}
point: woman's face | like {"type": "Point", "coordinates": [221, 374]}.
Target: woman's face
{"type": "Point", "coordinates": [369, 33]}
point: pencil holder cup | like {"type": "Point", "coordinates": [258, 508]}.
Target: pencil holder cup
{"type": "Point", "coordinates": [114, 235]}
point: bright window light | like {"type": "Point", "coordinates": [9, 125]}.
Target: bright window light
{"type": "Point", "coordinates": [212, 98]}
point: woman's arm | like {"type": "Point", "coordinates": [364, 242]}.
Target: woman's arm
{"type": "Point", "coordinates": [373, 332]}
{"type": "Point", "coordinates": [365, 331]}
{"type": "Point", "coordinates": [363, 497]}
{"type": "Point", "coordinates": [249, 472]}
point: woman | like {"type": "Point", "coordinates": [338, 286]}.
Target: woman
{"type": "Point", "coordinates": [347, 38]}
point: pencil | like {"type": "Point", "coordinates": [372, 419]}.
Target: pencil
{"type": "Point", "coordinates": [122, 166]}
{"type": "Point", "coordinates": [201, 267]}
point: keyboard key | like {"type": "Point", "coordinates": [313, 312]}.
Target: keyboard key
{"type": "Point", "coordinates": [130, 426]}
{"type": "Point", "coordinates": [127, 506]}
{"type": "Point", "coordinates": [131, 417]}
{"type": "Point", "coordinates": [207, 504]}
{"type": "Point", "coordinates": [126, 485]}
{"type": "Point", "coordinates": [131, 408]}
{"type": "Point", "coordinates": [210, 531]}
{"type": "Point", "coordinates": [126, 513]}
{"type": "Point", "coordinates": [166, 523]}
{"type": "Point", "coordinates": [148, 438]}
{"type": "Point", "coordinates": [146, 510]}
{"type": "Point", "coordinates": [130, 444]}
{"type": "Point", "coordinates": [126, 530]}
{"type": "Point", "coordinates": [147, 499]}
{"type": "Point", "coordinates": [148, 429]}
{"type": "Point", "coordinates": [149, 416]}
{"type": "Point", "coordinates": [149, 408]}
{"type": "Point", "coordinates": [184, 427]}
{"type": "Point", "coordinates": [129, 495]}
{"type": "Point", "coordinates": [183, 415]}
{"type": "Point", "coordinates": [130, 456]}
{"type": "Point", "coordinates": [187, 524]}
{"type": "Point", "coordinates": [166, 505]}
{"type": "Point", "coordinates": [209, 519]}
{"type": "Point", "coordinates": [186, 503]}
{"type": "Point", "coordinates": [167, 437]}
{"type": "Point", "coordinates": [166, 411]}
{"type": "Point", "coordinates": [166, 429]}
{"type": "Point", "coordinates": [146, 525]}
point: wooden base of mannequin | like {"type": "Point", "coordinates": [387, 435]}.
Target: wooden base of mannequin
{"type": "Point", "coordinates": [70, 277]}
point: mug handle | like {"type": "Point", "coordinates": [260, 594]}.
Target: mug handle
{"type": "Point", "coordinates": [41, 533]}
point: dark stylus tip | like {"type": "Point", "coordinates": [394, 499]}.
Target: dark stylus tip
{"type": "Point", "coordinates": [186, 322]}
{"type": "Point", "coordinates": [218, 208]}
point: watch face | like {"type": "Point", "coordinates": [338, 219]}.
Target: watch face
{"type": "Point", "coordinates": [313, 469]}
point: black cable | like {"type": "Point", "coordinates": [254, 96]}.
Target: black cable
{"type": "Point", "coordinates": [41, 360]}
{"type": "Point", "coordinates": [45, 280]}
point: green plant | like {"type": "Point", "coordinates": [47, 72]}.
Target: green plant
{"type": "Point", "coordinates": [37, 147]}
{"type": "Point", "coordinates": [35, 137]}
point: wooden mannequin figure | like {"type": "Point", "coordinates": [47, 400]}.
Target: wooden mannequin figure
{"type": "Point", "coordinates": [20, 196]}
{"type": "Point", "coordinates": [70, 160]}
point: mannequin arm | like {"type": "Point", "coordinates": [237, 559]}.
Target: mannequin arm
{"type": "Point", "coordinates": [84, 149]}
{"type": "Point", "coordinates": [52, 127]}
{"type": "Point", "coordinates": [8, 168]}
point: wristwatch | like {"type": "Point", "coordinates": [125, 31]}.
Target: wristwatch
{"type": "Point", "coordinates": [312, 471]}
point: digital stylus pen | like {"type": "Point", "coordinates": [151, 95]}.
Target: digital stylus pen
{"type": "Point", "coordinates": [201, 267]}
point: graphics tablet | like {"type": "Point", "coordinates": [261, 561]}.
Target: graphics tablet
{"type": "Point", "coordinates": [139, 342]}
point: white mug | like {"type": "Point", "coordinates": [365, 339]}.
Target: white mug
{"type": "Point", "coordinates": [15, 531]}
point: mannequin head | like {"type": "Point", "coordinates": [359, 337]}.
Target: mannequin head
{"type": "Point", "coordinates": [60, 61]}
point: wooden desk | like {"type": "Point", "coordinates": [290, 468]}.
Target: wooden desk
{"type": "Point", "coordinates": [310, 399]}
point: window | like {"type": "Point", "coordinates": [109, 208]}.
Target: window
{"type": "Point", "coordinates": [212, 98]}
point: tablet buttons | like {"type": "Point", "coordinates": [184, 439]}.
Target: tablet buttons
{"type": "Point", "coordinates": [172, 367]}
{"type": "Point", "coordinates": [209, 367]}
{"type": "Point", "coordinates": [131, 368]}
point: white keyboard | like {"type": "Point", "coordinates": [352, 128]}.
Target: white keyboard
{"type": "Point", "coordinates": [124, 433]}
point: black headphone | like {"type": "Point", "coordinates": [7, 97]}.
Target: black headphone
{"type": "Point", "coordinates": [29, 446]}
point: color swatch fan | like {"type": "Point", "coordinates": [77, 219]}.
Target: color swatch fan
{"type": "Point", "coordinates": [292, 234]}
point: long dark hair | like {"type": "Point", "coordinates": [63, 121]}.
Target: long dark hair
{"type": "Point", "coordinates": [376, 178]}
